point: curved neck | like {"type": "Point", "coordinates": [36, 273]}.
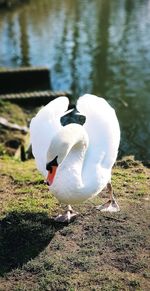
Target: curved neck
{"type": "Point", "coordinates": [75, 158]}
{"type": "Point", "coordinates": [79, 164]}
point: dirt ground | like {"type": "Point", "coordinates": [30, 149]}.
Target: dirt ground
{"type": "Point", "coordinates": [98, 251]}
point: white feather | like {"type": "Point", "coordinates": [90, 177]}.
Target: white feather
{"type": "Point", "coordinates": [102, 127]}
{"type": "Point", "coordinates": [43, 127]}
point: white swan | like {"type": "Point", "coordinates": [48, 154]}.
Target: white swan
{"type": "Point", "coordinates": [76, 159]}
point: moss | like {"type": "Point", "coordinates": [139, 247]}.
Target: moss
{"type": "Point", "coordinates": [12, 112]}
{"type": "Point", "coordinates": [10, 140]}
{"type": "Point", "coordinates": [2, 150]}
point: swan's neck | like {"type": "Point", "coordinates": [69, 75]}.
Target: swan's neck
{"type": "Point", "coordinates": [80, 170]}
{"type": "Point", "coordinates": [74, 161]}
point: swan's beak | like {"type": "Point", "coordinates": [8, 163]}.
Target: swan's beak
{"type": "Point", "coordinates": [51, 175]}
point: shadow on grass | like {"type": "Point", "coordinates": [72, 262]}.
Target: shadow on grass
{"type": "Point", "coordinates": [22, 237]}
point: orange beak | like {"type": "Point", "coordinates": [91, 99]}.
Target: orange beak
{"type": "Point", "coordinates": [51, 175]}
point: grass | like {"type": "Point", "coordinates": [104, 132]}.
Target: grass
{"type": "Point", "coordinates": [98, 251]}
{"type": "Point", "coordinates": [24, 188]}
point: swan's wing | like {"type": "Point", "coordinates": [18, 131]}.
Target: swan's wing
{"type": "Point", "coordinates": [102, 127]}
{"type": "Point", "coordinates": [43, 127]}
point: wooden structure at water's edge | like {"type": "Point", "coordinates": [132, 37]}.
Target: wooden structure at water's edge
{"type": "Point", "coordinates": [28, 85]}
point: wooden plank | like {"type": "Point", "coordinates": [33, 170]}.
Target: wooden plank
{"type": "Point", "coordinates": [34, 98]}
{"type": "Point", "coordinates": [24, 79]}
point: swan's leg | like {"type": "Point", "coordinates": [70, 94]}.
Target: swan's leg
{"type": "Point", "coordinates": [111, 205]}
{"type": "Point", "coordinates": [68, 216]}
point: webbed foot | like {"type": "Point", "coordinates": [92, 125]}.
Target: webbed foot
{"type": "Point", "coordinates": [67, 217]}
{"type": "Point", "coordinates": [111, 206]}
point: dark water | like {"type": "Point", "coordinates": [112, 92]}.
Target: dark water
{"type": "Point", "coordinates": [96, 46]}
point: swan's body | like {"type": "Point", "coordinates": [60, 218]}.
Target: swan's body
{"type": "Point", "coordinates": [85, 154]}
{"type": "Point", "coordinates": [79, 175]}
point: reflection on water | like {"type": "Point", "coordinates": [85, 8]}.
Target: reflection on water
{"type": "Point", "coordinates": [96, 46]}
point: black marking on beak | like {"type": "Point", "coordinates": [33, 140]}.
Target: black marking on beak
{"type": "Point", "coordinates": [51, 164]}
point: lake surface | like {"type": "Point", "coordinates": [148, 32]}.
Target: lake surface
{"type": "Point", "coordinates": [95, 46]}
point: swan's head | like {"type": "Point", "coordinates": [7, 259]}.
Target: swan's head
{"type": "Point", "coordinates": [61, 145]}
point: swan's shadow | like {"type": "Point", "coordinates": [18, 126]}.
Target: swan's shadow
{"type": "Point", "coordinates": [23, 236]}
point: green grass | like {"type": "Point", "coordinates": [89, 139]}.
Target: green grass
{"type": "Point", "coordinates": [20, 171]}
{"type": "Point", "coordinates": [28, 191]}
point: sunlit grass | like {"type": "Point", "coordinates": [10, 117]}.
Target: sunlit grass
{"type": "Point", "coordinates": [28, 192]}
{"type": "Point", "coordinates": [20, 171]}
